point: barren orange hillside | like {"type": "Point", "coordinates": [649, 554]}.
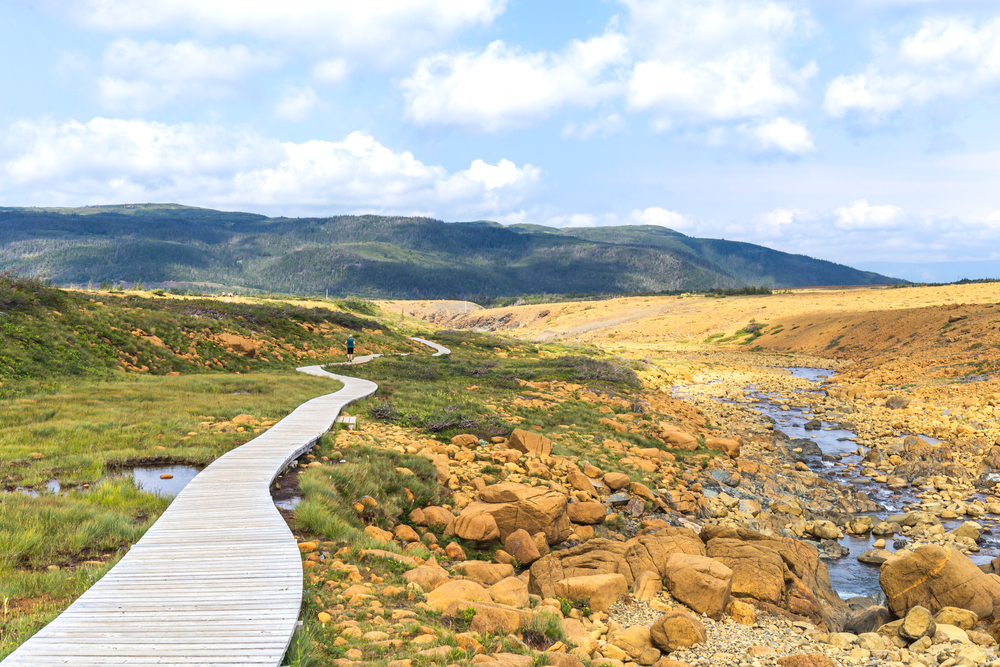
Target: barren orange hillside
{"type": "Point", "coordinates": [690, 318]}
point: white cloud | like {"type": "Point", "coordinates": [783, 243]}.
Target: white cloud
{"type": "Point", "coordinates": [504, 86]}
{"type": "Point", "coordinates": [113, 160]}
{"type": "Point", "coordinates": [334, 71]}
{"type": "Point", "coordinates": [654, 215]}
{"type": "Point", "coordinates": [603, 127]}
{"type": "Point", "coordinates": [140, 76]}
{"type": "Point", "coordinates": [779, 136]}
{"type": "Point", "coordinates": [946, 57]}
{"type": "Point", "coordinates": [713, 59]}
{"type": "Point", "coordinates": [297, 104]}
{"type": "Point", "coordinates": [860, 216]}
{"type": "Point", "coordinates": [774, 223]}
{"type": "Point", "coordinates": [384, 31]}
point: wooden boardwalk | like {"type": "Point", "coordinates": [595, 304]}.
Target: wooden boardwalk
{"type": "Point", "coordinates": [217, 580]}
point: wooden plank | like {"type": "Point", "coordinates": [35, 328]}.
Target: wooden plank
{"type": "Point", "coordinates": [217, 580]}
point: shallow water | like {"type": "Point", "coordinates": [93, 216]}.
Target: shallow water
{"type": "Point", "coordinates": [849, 576]}
{"type": "Point", "coordinates": [148, 479]}
{"type": "Point", "coordinates": [288, 503]}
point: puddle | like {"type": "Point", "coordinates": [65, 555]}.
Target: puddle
{"type": "Point", "coordinates": [149, 479]}
{"type": "Point", "coordinates": [288, 503]}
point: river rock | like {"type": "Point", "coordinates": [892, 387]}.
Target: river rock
{"type": "Point", "coordinates": [917, 623]}
{"type": "Point", "coordinates": [806, 660]}
{"type": "Point", "coordinates": [869, 620]}
{"type": "Point", "coordinates": [699, 582]}
{"type": "Point", "coordinates": [935, 577]}
{"type": "Point", "coordinates": [675, 630]}
{"type": "Point", "coordinates": [876, 556]}
{"type": "Point", "coordinates": [824, 530]}
{"type": "Point", "coordinates": [962, 618]}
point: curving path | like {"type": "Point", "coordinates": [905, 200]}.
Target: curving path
{"type": "Point", "coordinates": [217, 580]}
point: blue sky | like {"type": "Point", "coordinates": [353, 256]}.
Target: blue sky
{"type": "Point", "coordinates": [851, 130]}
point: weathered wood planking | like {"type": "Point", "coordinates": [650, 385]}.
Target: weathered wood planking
{"type": "Point", "coordinates": [217, 580]}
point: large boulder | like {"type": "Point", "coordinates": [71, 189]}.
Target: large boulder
{"type": "Point", "coordinates": [597, 556]}
{"type": "Point", "coordinates": [517, 506]}
{"type": "Point", "coordinates": [917, 623]}
{"type": "Point", "coordinates": [480, 528]}
{"type": "Point", "coordinates": [521, 546]}
{"type": "Point", "coordinates": [599, 590]}
{"type": "Point", "coordinates": [728, 445]}
{"type": "Point", "coordinates": [461, 589]}
{"type": "Point", "coordinates": [675, 630]}
{"type": "Point", "coordinates": [775, 570]}
{"type": "Point", "coordinates": [699, 582]}
{"type": "Point", "coordinates": [935, 577]}
{"type": "Point", "coordinates": [484, 572]}
{"type": "Point", "coordinates": [757, 570]}
{"type": "Point", "coordinates": [530, 443]}
{"type": "Point", "coordinates": [587, 513]}
{"type": "Point", "coordinates": [510, 591]}
{"type": "Point", "coordinates": [649, 553]}
{"type": "Point", "coordinates": [490, 617]}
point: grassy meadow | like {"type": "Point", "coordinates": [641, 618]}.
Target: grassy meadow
{"type": "Point", "coordinates": [94, 383]}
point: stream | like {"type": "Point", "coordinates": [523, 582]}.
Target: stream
{"type": "Point", "coordinates": [849, 576]}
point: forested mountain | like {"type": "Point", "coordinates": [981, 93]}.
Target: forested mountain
{"type": "Point", "coordinates": [384, 256]}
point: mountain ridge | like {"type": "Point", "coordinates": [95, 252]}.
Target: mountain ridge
{"type": "Point", "coordinates": [386, 256]}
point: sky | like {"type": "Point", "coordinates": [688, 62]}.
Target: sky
{"type": "Point", "coordinates": [851, 130]}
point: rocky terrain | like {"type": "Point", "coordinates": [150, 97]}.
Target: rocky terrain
{"type": "Point", "coordinates": [811, 504]}
{"type": "Point", "coordinates": [721, 561]}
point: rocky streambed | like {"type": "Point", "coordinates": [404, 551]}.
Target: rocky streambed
{"type": "Point", "coordinates": [898, 491]}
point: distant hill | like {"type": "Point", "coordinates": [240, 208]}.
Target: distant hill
{"type": "Point", "coordinates": [384, 256]}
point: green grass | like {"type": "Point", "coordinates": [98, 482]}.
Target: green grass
{"type": "Point", "coordinates": [331, 491]}
{"type": "Point", "coordinates": [46, 332]}
{"type": "Point", "coordinates": [85, 430]}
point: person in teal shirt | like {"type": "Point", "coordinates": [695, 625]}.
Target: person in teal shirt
{"type": "Point", "coordinates": [350, 348]}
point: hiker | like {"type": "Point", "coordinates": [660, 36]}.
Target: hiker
{"type": "Point", "coordinates": [350, 348]}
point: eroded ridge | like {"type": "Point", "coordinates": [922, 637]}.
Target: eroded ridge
{"type": "Point", "coordinates": [217, 580]}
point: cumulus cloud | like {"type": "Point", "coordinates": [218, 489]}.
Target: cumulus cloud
{"type": "Point", "coordinates": [654, 215]}
{"type": "Point", "coordinates": [143, 75]}
{"type": "Point", "coordinates": [685, 61]}
{"type": "Point", "coordinates": [504, 86]}
{"type": "Point", "coordinates": [384, 31]}
{"type": "Point", "coordinates": [862, 216]}
{"type": "Point", "coordinates": [946, 57]}
{"type": "Point", "coordinates": [714, 59]}
{"type": "Point", "coordinates": [297, 104]}
{"type": "Point", "coordinates": [114, 160]}
{"type": "Point", "coordinates": [779, 136]}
